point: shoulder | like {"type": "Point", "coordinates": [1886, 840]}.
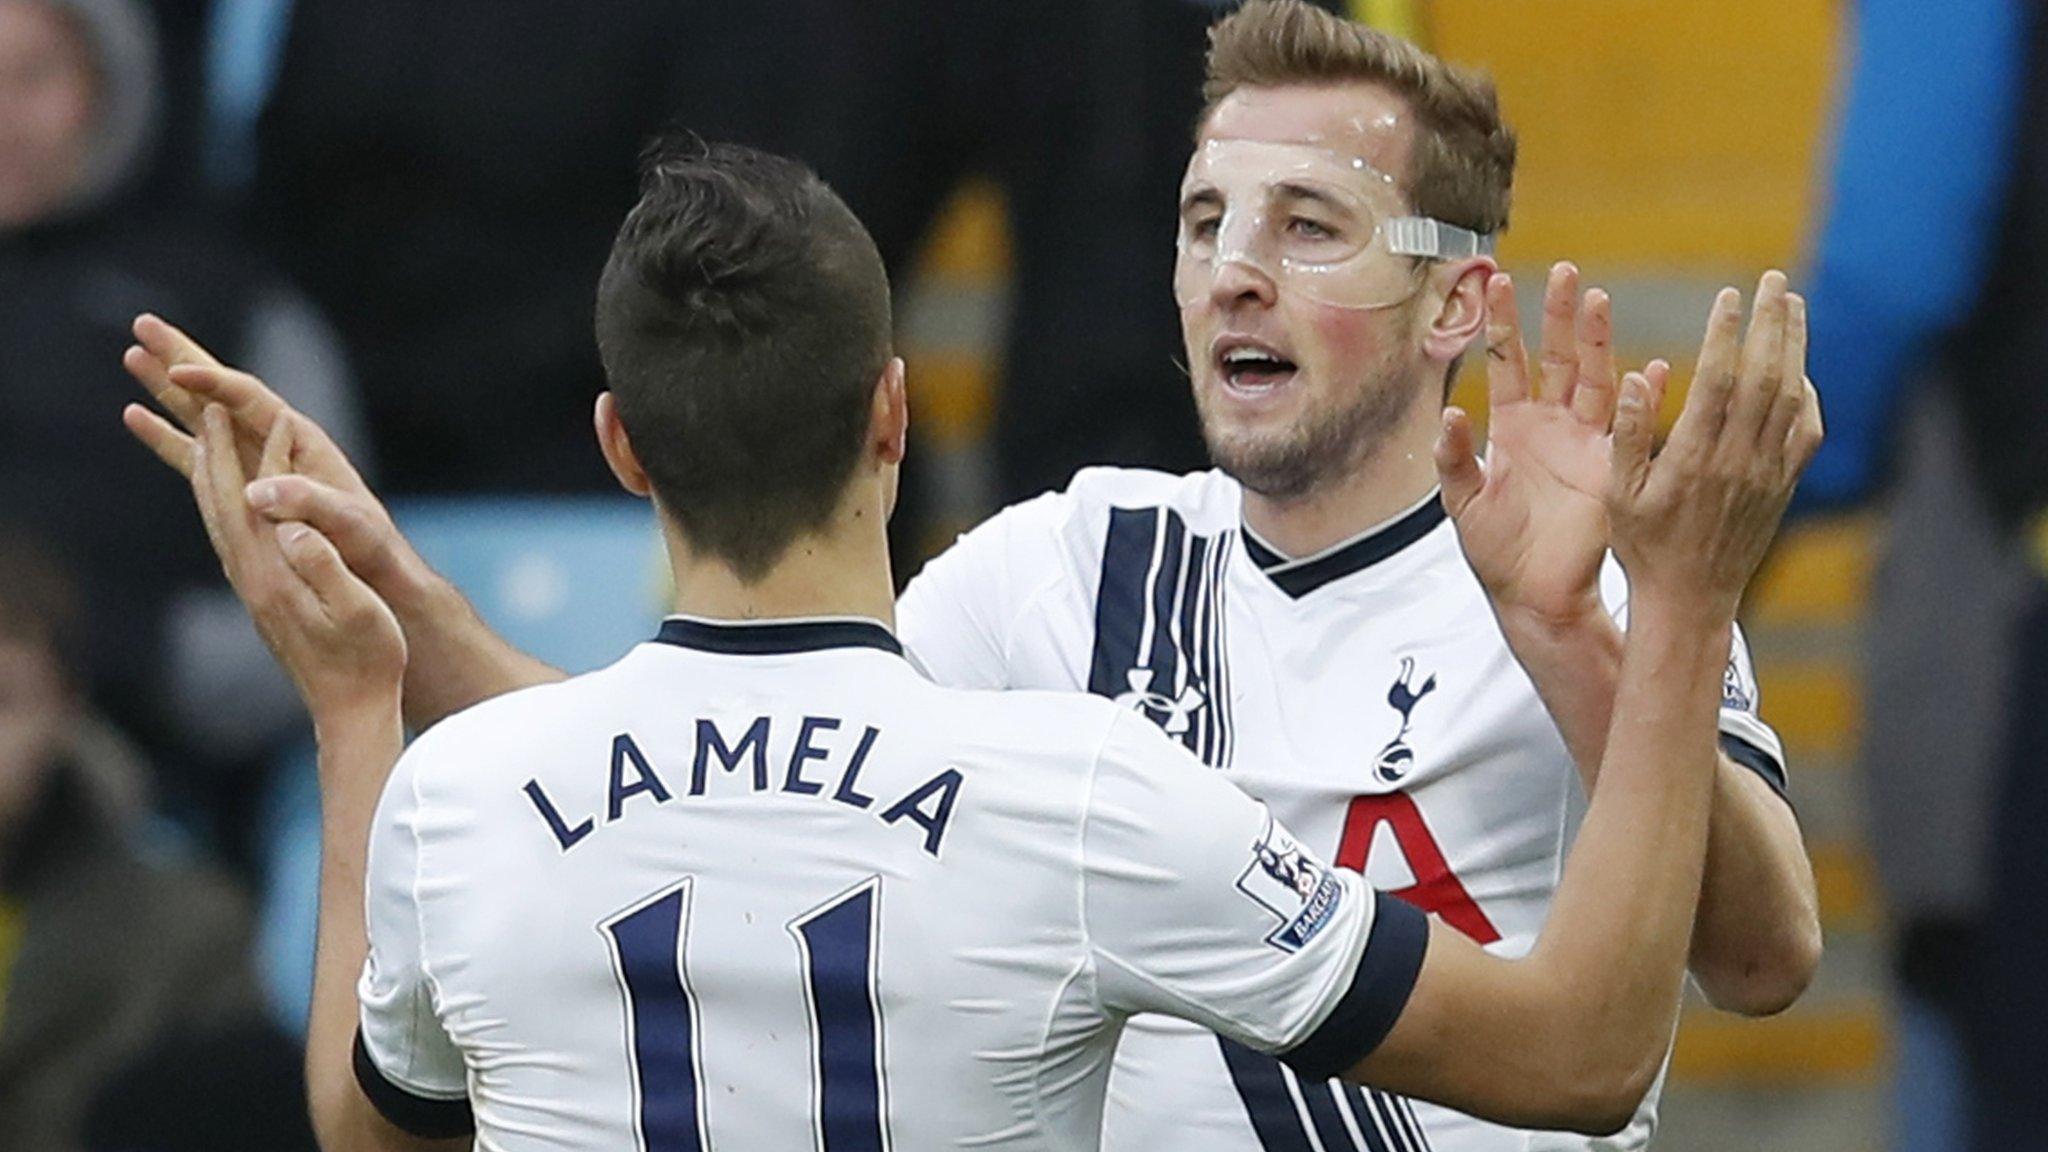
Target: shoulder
{"type": "Point", "coordinates": [1207, 500]}
{"type": "Point", "coordinates": [523, 724]}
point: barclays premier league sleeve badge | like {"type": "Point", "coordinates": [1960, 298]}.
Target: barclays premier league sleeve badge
{"type": "Point", "coordinates": [1291, 886]}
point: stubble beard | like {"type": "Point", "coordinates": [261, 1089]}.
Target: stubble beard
{"type": "Point", "coordinates": [1328, 443]}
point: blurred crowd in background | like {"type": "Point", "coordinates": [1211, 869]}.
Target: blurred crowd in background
{"type": "Point", "coordinates": [395, 212]}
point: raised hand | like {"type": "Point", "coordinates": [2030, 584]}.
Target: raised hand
{"type": "Point", "coordinates": [1691, 524]}
{"type": "Point", "coordinates": [319, 486]}
{"type": "Point", "coordinates": [339, 642]}
{"type": "Point", "coordinates": [1532, 516]}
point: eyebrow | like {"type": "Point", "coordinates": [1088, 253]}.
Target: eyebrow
{"type": "Point", "coordinates": [1288, 189]}
{"type": "Point", "coordinates": [1285, 190]}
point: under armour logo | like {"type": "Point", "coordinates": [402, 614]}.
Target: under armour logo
{"type": "Point", "coordinates": [1396, 758]}
{"type": "Point", "coordinates": [1178, 711]}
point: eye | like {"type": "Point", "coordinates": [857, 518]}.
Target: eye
{"type": "Point", "coordinates": [1309, 229]}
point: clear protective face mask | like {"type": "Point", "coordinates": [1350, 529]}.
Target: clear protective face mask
{"type": "Point", "coordinates": [1316, 222]}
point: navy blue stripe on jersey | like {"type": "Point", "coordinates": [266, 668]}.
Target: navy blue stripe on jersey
{"type": "Point", "coordinates": [1262, 1084]}
{"type": "Point", "coordinates": [1364, 1105]}
{"type": "Point", "coordinates": [1298, 578]}
{"type": "Point", "coordinates": [1379, 991]}
{"type": "Point", "coordinates": [1756, 760]}
{"type": "Point", "coordinates": [1323, 1112]}
{"type": "Point", "coordinates": [1393, 1120]}
{"type": "Point", "coordinates": [1187, 639]}
{"type": "Point", "coordinates": [1121, 597]}
{"type": "Point", "coordinates": [1163, 657]}
{"type": "Point", "coordinates": [1416, 1132]}
{"type": "Point", "coordinates": [415, 1115]}
{"type": "Point", "coordinates": [1159, 628]}
{"type": "Point", "coordinates": [774, 637]}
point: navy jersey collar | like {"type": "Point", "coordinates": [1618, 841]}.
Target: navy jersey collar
{"type": "Point", "coordinates": [775, 637]}
{"type": "Point", "coordinates": [1298, 578]}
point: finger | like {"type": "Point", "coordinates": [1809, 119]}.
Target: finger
{"type": "Point", "coordinates": [154, 376]}
{"type": "Point", "coordinates": [1635, 423]}
{"type": "Point", "coordinates": [1458, 468]}
{"type": "Point", "coordinates": [223, 467]}
{"type": "Point", "coordinates": [1713, 381]}
{"type": "Point", "coordinates": [315, 560]}
{"type": "Point", "coordinates": [157, 434]}
{"type": "Point", "coordinates": [1560, 355]}
{"type": "Point", "coordinates": [203, 495]}
{"type": "Point", "coordinates": [1808, 431]}
{"type": "Point", "coordinates": [1593, 394]}
{"type": "Point", "coordinates": [277, 450]}
{"type": "Point", "coordinates": [1507, 361]}
{"type": "Point", "coordinates": [1763, 359]}
{"type": "Point", "coordinates": [168, 343]}
{"type": "Point", "coordinates": [1791, 379]}
{"type": "Point", "coordinates": [353, 523]}
{"type": "Point", "coordinates": [1657, 374]}
{"type": "Point", "coordinates": [251, 404]}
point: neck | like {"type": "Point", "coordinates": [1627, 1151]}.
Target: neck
{"type": "Point", "coordinates": [843, 571]}
{"type": "Point", "coordinates": [1386, 482]}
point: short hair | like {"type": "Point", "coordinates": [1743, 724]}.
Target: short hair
{"type": "Point", "coordinates": [744, 320]}
{"type": "Point", "coordinates": [1462, 170]}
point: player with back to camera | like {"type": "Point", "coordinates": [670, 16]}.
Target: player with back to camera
{"type": "Point", "coordinates": [1302, 618]}
{"type": "Point", "coordinates": [762, 885]}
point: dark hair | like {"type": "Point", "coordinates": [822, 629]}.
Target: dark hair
{"type": "Point", "coordinates": [744, 320]}
{"type": "Point", "coordinates": [1463, 167]}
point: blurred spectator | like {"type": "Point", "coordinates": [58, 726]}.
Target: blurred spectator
{"type": "Point", "coordinates": [1929, 273]}
{"type": "Point", "coordinates": [446, 178]}
{"type": "Point", "coordinates": [167, 653]}
{"type": "Point", "coordinates": [1083, 111]}
{"type": "Point", "coordinates": [102, 951]}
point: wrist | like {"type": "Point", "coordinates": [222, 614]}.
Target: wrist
{"type": "Point", "coordinates": [357, 714]}
{"type": "Point", "coordinates": [1683, 625]}
{"type": "Point", "coordinates": [1585, 622]}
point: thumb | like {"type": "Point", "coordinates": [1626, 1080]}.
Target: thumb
{"type": "Point", "coordinates": [1634, 429]}
{"type": "Point", "coordinates": [314, 559]}
{"type": "Point", "coordinates": [1458, 467]}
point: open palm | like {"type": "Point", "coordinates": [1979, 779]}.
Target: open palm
{"type": "Point", "coordinates": [1532, 519]}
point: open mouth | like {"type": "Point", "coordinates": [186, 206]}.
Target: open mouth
{"type": "Point", "coordinates": [1254, 368]}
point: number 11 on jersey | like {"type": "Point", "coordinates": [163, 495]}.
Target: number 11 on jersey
{"type": "Point", "coordinates": [836, 947]}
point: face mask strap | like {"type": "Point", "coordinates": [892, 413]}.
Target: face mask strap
{"type": "Point", "coordinates": [1433, 239]}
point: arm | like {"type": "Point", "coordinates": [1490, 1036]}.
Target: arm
{"type": "Point", "coordinates": [1574, 1034]}
{"type": "Point", "coordinates": [1599, 993]}
{"type": "Point", "coordinates": [456, 660]}
{"type": "Point", "coordinates": [344, 650]}
{"type": "Point", "coordinates": [1757, 939]}
{"type": "Point", "coordinates": [1533, 527]}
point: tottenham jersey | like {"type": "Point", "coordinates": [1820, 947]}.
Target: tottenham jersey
{"type": "Point", "coordinates": [766, 887]}
{"type": "Point", "coordinates": [1365, 694]}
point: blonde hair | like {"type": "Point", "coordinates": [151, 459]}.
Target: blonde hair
{"type": "Point", "coordinates": [1462, 169]}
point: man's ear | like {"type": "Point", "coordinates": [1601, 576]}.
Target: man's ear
{"type": "Point", "coordinates": [618, 447]}
{"type": "Point", "coordinates": [889, 417]}
{"type": "Point", "coordinates": [1461, 319]}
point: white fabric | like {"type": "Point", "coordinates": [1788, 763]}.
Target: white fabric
{"type": "Point", "coordinates": [1466, 807]}
{"type": "Point", "coordinates": [1087, 868]}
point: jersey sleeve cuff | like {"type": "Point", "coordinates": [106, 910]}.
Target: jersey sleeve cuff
{"type": "Point", "coordinates": [1758, 761]}
{"type": "Point", "coordinates": [426, 1117]}
{"type": "Point", "coordinates": [1379, 991]}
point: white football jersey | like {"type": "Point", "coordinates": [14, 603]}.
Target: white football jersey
{"type": "Point", "coordinates": [763, 886]}
{"type": "Point", "coordinates": [1365, 694]}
